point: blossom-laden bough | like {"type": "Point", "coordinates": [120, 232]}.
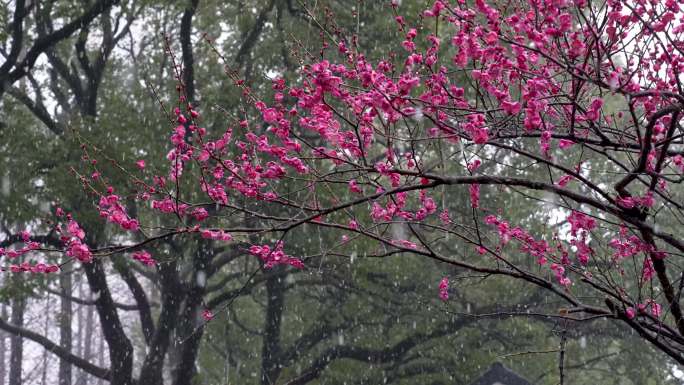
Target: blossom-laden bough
{"type": "Point", "coordinates": [572, 107]}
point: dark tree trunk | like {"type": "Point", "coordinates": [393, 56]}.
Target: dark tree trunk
{"type": "Point", "coordinates": [46, 329]}
{"type": "Point", "coordinates": [120, 348]}
{"type": "Point", "coordinates": [192, 336]}
{"type": "Point", "coordinates": [16, 342]}
{"type": "Point", "coordinates": [186, 46]}
{"type": "Point", "coordinates": [172, 293]}
{"type": "Point", "coordinates": [84, 335]}
{"type": "Point", "coordinates": [270, 370]}
{"type": "Point", "coordinates": [3, 346]}
{"type": "Point", "coordinates": [65, 318]}
{"type": "Point", "coordinates": [100, 357]}
{"type": "Point", "coordinates": [88, 344]}
{"type": "Point", "coordinates": [192, 328]}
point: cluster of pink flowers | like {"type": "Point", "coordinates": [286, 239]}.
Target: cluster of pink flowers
{"type": "Point", "coordinates": [593, 113]}
{"type": "Point", "coordinates": [654, 307]}
{"type": "Point", "coordinates": [207, 315]}
{"type": "Point", "coordinates": [33, 268]}
{"type": "Point", "coordinates": [474, 190]}
{"type": "Point", "coordinates": [200, 214]}
{"type": "Point", "coordinates": [444, 289]}
{"type": "Point", "coordinates": [397, 207]}
{"type": "Point", "coordinates": [564, 180]}
{"type": "Point", "coordinates": [77, 249]}
{"type": "Point", "coordinates": [538, 249]}
{"type": "Point", "coordinates": [580, 223]}
{"type": "Point", "coordinates": [219, 235]}
{"type": "Point", "coordinates": [475, 127]}
{"type": "Point", "coordinates": [647, 270]}
{"type": "Point", "coordinates": [626, 246]}
{"type": "Point", "coordinates": [630, 202]}
{"type": "Point", "coordinates": [580, 227]}
{"type": "Point", "coordinates": [404, 243]}
{"type": "Point", "coordinates": [113, 211]}
{"type": "Point", "coordinates": [275, 256]}
{"type": "Point", "coordinates": [559, 272]}
{"type": "Point", "coordinates": [428, 206]}
{"type": "Point", "coordinates": [678, 161]}
{"type": "Point", "coordinates": [444, 217]}
{"type": "Point", "coordinates": [565, 143]}
{"type": "Point", "coordinates": [168, 205]}
{"type": "Point", "coordinates": [354, 187]}
{"type": "Point", "coordinates": [650, 305]}
{"type": "Point", "coordinates": [29, 246]}
{"type": "Point", "coordinates": [73, 239]}
{"type": "Point", "coordinates": [144, 257]}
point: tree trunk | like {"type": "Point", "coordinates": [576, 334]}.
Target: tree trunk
{"type": "Point", "coordinates": [87, 330]}
{"type": "Point", "coordinates": [16, 342]}
{"type": "Point", "coordinates": [46, 329]}
{"type": "Point", "coordinates": [270, 370]}
{"type": "Point", "coordinates": [192, 336]}
{"type": "Point", "coordinates": [191, 327]}
{"type": "Point", "coordinates": [3, 346]}
{"type": "Point", "coordinates": [100, 357]}
{"type": "Point", "coordinates": [151, 371]}
{"type": "Point", "coordinates": [65, 318]}
{"type": "Point", "coordinates": [120, 348]}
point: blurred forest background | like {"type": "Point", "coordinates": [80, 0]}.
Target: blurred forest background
{"type": "Point", "coordinates": [368, 319]}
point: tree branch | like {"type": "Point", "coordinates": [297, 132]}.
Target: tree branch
{"type": "Point", "coordinates": [43, 43]}
{"type": "Point", "coordinates": [56, 349]}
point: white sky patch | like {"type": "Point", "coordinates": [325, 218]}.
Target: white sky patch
{"type": "Point", "coordinates": [273, 74]}
{"type": "Point", "coordinates": [201, 278]}
{"type": "Point", "coordinates": [418, 114]}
